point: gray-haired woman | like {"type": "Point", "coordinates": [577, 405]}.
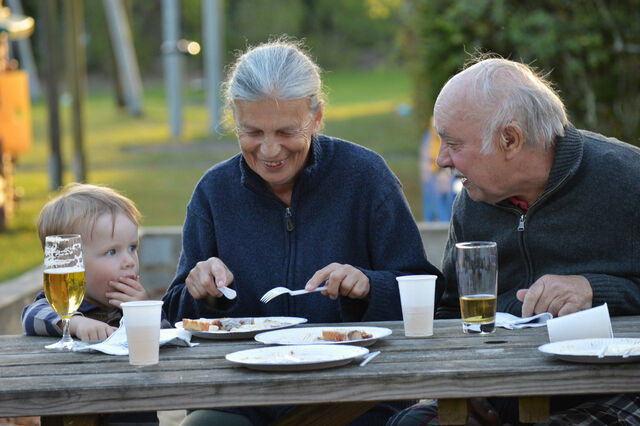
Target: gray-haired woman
{"type": "Point", "coordinates": [294, 208]}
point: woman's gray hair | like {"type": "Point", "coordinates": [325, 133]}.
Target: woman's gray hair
{"type": "Point", "coordinates": [508, 91]}
{"type": "Point", "coordinates": [278, 69]}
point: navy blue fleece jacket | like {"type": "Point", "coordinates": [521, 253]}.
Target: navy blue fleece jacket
{"type": "Point", "coordinates": [346, 207]}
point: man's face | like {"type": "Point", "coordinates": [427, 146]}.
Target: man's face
{"type": "Point", "coordinates": [483, 175]}
{"type": "Point", "coordinates": [107, 256]}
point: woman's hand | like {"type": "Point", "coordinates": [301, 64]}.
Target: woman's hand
{"type": "Point", "coordinates": [89, 330]}
{"type": "Point", "coordinates": [126, 289]}
{"type": "Point", "coordinates": [205, 278]}
{"type": "Point", "coordinates": [341, 280]}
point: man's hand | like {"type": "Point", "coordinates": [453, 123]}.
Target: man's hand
{"type": "Point", "coordinates": [557, 294]}
{"type": "Point", "coordinates": [126, 289]}
{"type": "Point", "coordinates": [342, 280]}
{"type": "Point", "coordinates": [205, 278]}
{"type": "Point", "coordinates": [89, 330]}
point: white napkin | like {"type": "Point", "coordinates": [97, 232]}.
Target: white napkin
{"type": "Point", "coordinates": [513, 322]}
{"type": "Point", "coordinates": [116, 344]}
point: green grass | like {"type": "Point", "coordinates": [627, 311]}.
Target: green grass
{"type": "Point", "coordinates": [137, 157]}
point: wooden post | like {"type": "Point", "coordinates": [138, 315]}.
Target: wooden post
{"type": "Point", "coordinates": [74, 16]}
{"type": "Point", "coordinates": [533, 409]}
{"type": "Point", "coordinates": [49, 50]}
{"type": "Point", "coordinates": [452, 411]}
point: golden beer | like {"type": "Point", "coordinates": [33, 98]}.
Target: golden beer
{"type": "Point", "coordinates": [64, 289]}
{"type": "Point", "coordinates": [478, 308]}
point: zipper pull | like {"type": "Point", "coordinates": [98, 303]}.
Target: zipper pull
{"type": "Point", "coordinates": [521, 223]}
{"type": "Point", "coordinates": [287, 217]}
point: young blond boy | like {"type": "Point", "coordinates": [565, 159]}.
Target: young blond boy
{"type": "Point", "coordinates": [108, 224]}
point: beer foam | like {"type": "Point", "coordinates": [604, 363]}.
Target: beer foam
{"type": "Point", "coordinates": [67, 270]}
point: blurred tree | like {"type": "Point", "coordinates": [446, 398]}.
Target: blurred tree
{"type": "Point", "coordinates": [590, 47]}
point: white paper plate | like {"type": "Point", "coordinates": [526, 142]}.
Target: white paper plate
{"type": "Point", "coordinates": [297, 357]}
{"type": "Point", "coordinates": [587, 350]}
{"type": "Point", "coordinates": [312, 335]}
{"type": "Point", "coordinates": [229, 335]}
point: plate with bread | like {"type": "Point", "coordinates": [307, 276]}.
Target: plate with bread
{"type": "Point", "coordinates": [352, 335]}
{"type": "Point", "coordinates": [235, 328]}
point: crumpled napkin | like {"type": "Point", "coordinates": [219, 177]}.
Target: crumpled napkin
{"type": "Point", "coordinates": [513, 322]}
{"type": "Point", "coordinates": [116, 344]}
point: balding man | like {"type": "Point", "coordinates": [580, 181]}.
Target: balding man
{"type": "Point", "coordinates": [562, 204]}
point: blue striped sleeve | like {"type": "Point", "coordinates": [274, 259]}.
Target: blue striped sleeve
{"type": "Point", "coordinates": [39, 319]}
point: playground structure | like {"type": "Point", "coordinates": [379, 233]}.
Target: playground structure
{"type": "Point", "coordinates": [15, 108]}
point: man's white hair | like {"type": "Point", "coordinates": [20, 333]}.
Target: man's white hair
{"type": "Point", "coordinates": [505, 91]}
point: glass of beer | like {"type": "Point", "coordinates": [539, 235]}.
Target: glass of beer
{"type": "Point", "coordinates": [64, 282]}
{"type": "Point", "coordinates": [477, 272]}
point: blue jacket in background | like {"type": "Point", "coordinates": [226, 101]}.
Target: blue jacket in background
{"type": "Point", "coordinates": [346, 207]}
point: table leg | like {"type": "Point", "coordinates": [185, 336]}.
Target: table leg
{"type": "Point", "coordinates": [533, 409]}
{"type": "Point", "coordinates": [79, 420]}
{"type": "Point", "coordinates": [452, 411]}
{"type": "Point", "coordinates": [324, 414]}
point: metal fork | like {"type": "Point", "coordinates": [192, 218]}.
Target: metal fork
{"type": "Point", "coordinates": [277, 291]}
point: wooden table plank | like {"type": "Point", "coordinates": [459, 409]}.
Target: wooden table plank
{"type": "Point", "coordinates": [449, 365]}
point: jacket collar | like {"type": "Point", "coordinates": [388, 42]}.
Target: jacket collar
{"type": "Point", "coordinates": [568, 156]}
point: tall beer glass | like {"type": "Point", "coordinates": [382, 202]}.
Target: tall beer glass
{"type": "Point", "coordinates": [64, 282]}
{"type": "Point", "coordinates": [477, 271]}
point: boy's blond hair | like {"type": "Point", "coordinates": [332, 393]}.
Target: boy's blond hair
{"type": "Point", "coordinates": [78, 207]}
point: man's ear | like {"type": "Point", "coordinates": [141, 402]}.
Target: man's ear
{"type": "Point", "coordinates": [511, 139]}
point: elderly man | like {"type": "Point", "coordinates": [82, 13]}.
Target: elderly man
{"type": "Point", "coordinates": [561, 203]}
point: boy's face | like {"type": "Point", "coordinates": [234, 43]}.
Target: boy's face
{"type": "Point", "coordinates": [108, 257]}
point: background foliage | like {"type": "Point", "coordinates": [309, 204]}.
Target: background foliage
{"type": "Point", "coordinates": [590, 47]}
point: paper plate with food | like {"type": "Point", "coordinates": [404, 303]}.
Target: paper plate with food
{"type": "Point", "coordinates": [297, 357]}
{"type": "Point", "coordinates": [352, 335]}
{"type": "Point", "coordinates": [235, 328]}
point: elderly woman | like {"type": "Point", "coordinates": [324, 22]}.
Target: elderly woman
{"type": "Point", "coordinates": [295, 209]}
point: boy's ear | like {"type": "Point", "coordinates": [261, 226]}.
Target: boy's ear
{"type": "Point", "coordinates": [511, 139]}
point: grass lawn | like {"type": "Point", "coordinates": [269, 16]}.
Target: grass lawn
{"type": "Point", "coordinates": [137, 157]}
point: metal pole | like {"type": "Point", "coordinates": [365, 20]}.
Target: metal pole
{"type": "Point", "coordinates": [26, 55]}
{"type": "Point", "coordinates": [49, 53]}
{"type": "Point", "coordinates": [212, 18]}
{"type": "Point", "coordinates": [125, 56]}
{"type": "Point", "coordinates": [172, 64]}
{"type": "Point", "coordinates": [77, 64]}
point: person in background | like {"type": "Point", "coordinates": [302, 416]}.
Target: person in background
{"type": "Point", "coordinates": [561, 203]}
{"type": "Point", "coordinates": [294, 208]}
{"type": "Point", "coordinates": [108, 224]}
{"type": "Point", "coordinates": [438, 186]}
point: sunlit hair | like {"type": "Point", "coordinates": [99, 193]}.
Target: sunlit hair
{"type": "Point", "coordinates": [506, 91]}
{"type": "Point", "coordinates": [279, 70]}
{"type": "Point", "coordinates": [78, 206]}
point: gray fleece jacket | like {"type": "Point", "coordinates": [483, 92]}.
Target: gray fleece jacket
{"type": "Point", "coordinates": [586, 222]}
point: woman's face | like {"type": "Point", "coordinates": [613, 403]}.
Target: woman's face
{"type": "Point", "coordinates": [275, 137]}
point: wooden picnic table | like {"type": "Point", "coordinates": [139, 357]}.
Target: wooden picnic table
{"type": "Point", "coordinates": [449, 366]}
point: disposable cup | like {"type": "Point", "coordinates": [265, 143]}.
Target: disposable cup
{"type": "Point", "coordinates": [142, 323]}
{"type": "Point", "coordinates": [590, 323]}
{"type": "Point", "coordinates": [417, 294]}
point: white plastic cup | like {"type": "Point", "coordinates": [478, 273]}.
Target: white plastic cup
{"type": "Point", "coordinates": [142, 323]}
{"type": "Point", "coordinates": [587, 324]}
{"type": "Point", "coordinates": [417, 294]}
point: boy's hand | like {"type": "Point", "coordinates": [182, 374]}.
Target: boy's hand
{"type": "Point", "coordinates": [126, 289]}
{"type": "Point", "coordinates": [87, 329]}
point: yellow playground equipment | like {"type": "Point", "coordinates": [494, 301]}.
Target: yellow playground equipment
{"type": "Point", "coordinates": [15, 109]}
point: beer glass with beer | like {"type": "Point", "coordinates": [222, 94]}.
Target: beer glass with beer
{"type": "Point", "coordinates": [477, 272]}
{"type": "Point", "coordinates": [64, 282]}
